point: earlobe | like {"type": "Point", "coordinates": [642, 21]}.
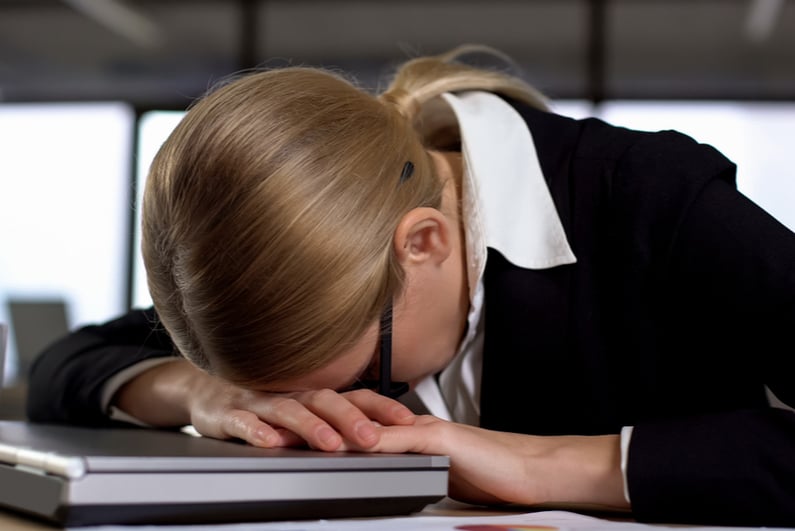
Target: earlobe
{"type": "Point", "coordinates": [422, 236]}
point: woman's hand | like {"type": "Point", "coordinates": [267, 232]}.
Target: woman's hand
{"type": "Point", "coordinates": [490, 466]}
{"type": "Point", "coordinates": [177, 393]}
{"type": "Point", "coordinates": [486, 466]}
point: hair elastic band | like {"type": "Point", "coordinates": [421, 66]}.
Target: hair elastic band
{"type": "Point", "coordinates": [408, 170]}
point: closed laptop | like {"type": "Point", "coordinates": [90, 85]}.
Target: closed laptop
{"type": "Point", "coordinates": [82, 476]}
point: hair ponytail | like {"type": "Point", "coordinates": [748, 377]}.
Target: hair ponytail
{"type": "Point", "coordinates": [419, 82]}
{"type": "Point", "coordinates": [404, 101]}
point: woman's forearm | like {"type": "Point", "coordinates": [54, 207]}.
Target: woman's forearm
{"type": "Point", "coordinates": [492, 466]}
{"type": "Point", "coordinates": [159, 396]}
{"type": "Point", "coordinates": [585, 470]}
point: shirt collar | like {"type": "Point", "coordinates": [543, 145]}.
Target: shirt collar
{"type": "Point", "coordinates": [506, 202]}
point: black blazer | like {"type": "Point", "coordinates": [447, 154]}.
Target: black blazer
{"type": "Point", "coordinates": [678, 312]}
{"type": "Point", "coordinates": [680, 308]}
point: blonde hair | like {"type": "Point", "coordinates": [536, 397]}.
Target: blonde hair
{"type": "Point", "coordinates": [269, 212]}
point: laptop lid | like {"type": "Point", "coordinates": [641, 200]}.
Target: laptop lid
{"type": "Point", "coordinates": [82, 476]}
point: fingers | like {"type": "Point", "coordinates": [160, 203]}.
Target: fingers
{"type": "Point", "coordinates": [351, 415]}
{"type": "Point", "coordinates": [245, 425]}
{"type": "Point", "coordinates": [425, 436]}
{"type": "Point", "coordinates": [311, 416]}
{"type": "Point", "coordinates": [323, 419]}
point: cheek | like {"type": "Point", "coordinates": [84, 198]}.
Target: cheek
{"type": "Point", "coordinates": [418, 346]}
{"type": "Point", "coordinates": [413, 359]}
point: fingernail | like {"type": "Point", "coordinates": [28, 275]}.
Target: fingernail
{"type": "Point", "coordinates": [265, 437]}
{"type": "Point", "coordinates": [328, 436]}
{"type": "Point", "coordinates": [366, 431]}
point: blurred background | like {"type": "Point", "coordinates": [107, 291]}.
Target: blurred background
{"type": "Point", "coordinates": [90, 88]}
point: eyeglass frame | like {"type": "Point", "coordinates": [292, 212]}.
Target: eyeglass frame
{"type": "Point", "coordinates": [384, 384]}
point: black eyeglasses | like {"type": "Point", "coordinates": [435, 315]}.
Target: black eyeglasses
{"type": "Point", "coordinates": [384, 384]}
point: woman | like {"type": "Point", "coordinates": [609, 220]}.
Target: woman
{"type": "Point", "coordinates": [591, 314]}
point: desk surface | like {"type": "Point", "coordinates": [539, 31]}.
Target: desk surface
{"type": "Point", "coordinates": [12, 522]}
{"type": "Point", "coordinates": [461, 517]}
{"type": "Point", "coordinates": [15, 522]}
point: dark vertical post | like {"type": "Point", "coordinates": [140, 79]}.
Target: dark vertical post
{"type": "Point", "coordinates": [249, 26]}
{"type": "Point", "coordinates": [596, 60]}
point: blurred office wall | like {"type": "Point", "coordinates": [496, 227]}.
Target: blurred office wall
{"type": "Point", "coordinates": [84, 85]}
{"type": "Point", "coordinates": [64, 212]}
{"type": "Point", "coordinates": [158, 54]}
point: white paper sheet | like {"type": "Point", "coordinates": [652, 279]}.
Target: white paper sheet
{"type": "Point", "coordinates": [537, 521]}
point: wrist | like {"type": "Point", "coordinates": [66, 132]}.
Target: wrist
{"type": "Point", "coordinates": [159, 396]}
{"type": "Point", "coordinates": [587, 470]}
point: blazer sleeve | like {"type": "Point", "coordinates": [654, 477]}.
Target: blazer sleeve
{"type": "Point", "coordinates": [732, 466]}
{"type": "Point", "coordinates": [67, 378]}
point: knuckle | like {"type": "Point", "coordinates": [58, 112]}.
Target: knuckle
{"type": "Point", "coordinates": [362, 397]}
{"type": "Point", "coordinates": [283, 405]}
{"type": "Point", "coordinates": [361, 393]}
{"type": "Point", "coordinates": [320, 398]}
{"type": "Point", "coordinates": [237, 423]}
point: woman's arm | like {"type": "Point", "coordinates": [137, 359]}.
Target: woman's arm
{"type": "Point", "coordinates": [729, 468]}
{"type": "Point", "coordinates": [735, 268]}
{"type": "Point", "coordinates": [733, 483]}
{"type": "Point", "coordinates": [68, 381]}
{"type": "Point", "coordinates": [178, 393]}
{"type": "Point", "coordinates": [499, 467]}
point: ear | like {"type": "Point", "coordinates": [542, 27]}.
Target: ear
{"type": "Point", "coordinates": [423, 236]}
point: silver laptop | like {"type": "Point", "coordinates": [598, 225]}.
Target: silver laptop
{"type": "Point", "coordinates": [83, 476]}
